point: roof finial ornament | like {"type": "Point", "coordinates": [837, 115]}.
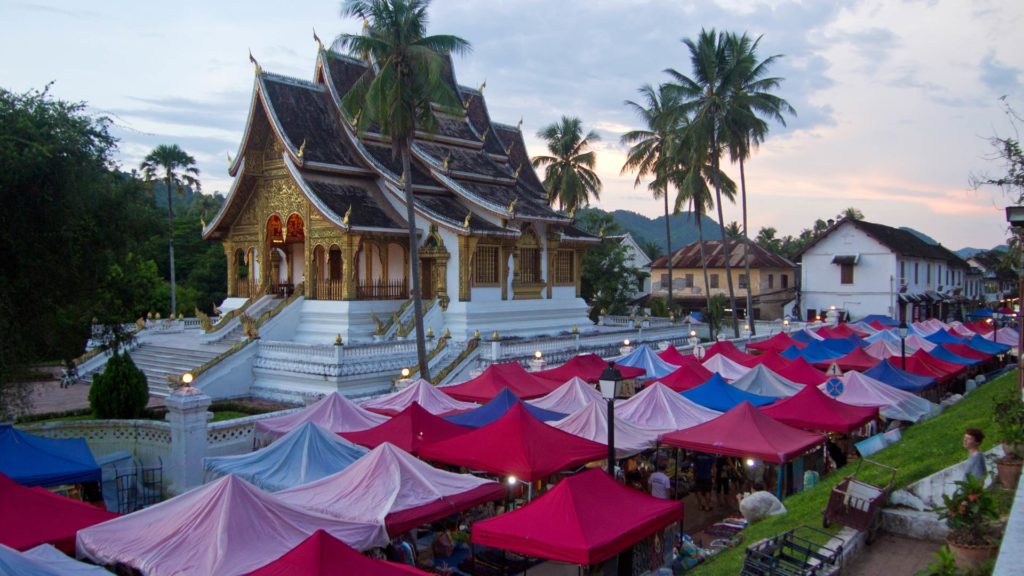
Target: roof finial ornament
{"type": "Point", "coordinates": [256, 64]}
{"type": "Point", "coordinates": [469, 216]}
{"type": "Point", "coordinates": [519, 125]}
{"type": "Point", "coordinates": [516, 173]}
{"type": "Point", "coordinates": [486, 133]}
{"type": "Point", "coordinates": [482, 86]}
{"type": "Point", "coordinates": [512, 206]}
{"type": "Point", "coordinates": [355, 118]}
{"type": "Point", "coordinates": [302, 150]}
{"type": "Point", "coordinates": [319, 43]}
{"type": "Point", "coordinates": [469, 100]}
{"type": "Point", "coordinates": [348, 214]}
{"type": "Point", "coordinates": [230, 161]}
{"type": "Point", "coordinates": [366, 24]}
{"type": "Point", "coordinates": [508, 150]}
{"type": "Point", "coordinates": [447, 159]}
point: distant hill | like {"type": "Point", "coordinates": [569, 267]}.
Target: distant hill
{"type": "Point", "coordinates": [920, 235]}
{"type": "Point", "coordinates": [969, 252]}
{"type": "Point", "coordinates": [644, 229]}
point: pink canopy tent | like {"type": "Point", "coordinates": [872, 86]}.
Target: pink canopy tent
{"type": "Point", "coordinates": [685, 378]}
{"type": "Point", "coordinates": [882, 349]}
{"type": "Point", "coordinates": [1007, 336]}
{"type": "Point", "coordinates": [801, 372]}
{"type": "Point", "coordinates": [771, 360]}
{"type": "Point", "coordinates": [673, 356]}
{"type": "Point", "coordinates": [587, 367]}
{"type": "Point", "coordinates": [857, 359]}
{"type": "Point", "coordinates": [661, 408]}
{"type": "Point", "coordinates": [729, 350]}
{"type": "Point", "coordinates": [930, 326]}
{"type": "Point", "coordinates": [776, 343]}
{"type": "Point", "coordinates": [227, 527]}
{"type": "Point", "coordinates": [421, 392]}
{"type": "Point", "coordinates": [893, 403]}
{"type": "Point", "coordinates": [591, 422]}
{"type": "Point", "coordinates": [812, 409]}
{"type": "Point", "coordinates": [960, 329]}
{"type": "Point", "coordinates": [34, 516]}
{"type": "Point", "coordinates": [497, 377]}
{"type": "Point", "coordinates": [333, 412]}
{"type": "Point", "coordinates": [568, 397]}
{"type": "Point", "coordinates": [915, 343]}
{"type": "Point", "coordinates": [726, 368]}
{"type": "Point", "coordinates": [585, 519]}
{"type": "Point", "coordinates": [324, 555]}
{"type": "Point", "coordinates": [409, 430]}
{"type": "Point", "coordinates": [746, 432]}
{"type": "Point", "coordinates": [863, 328]}
{"type": "Point", "coordinates": [392, 488]}
{"type": "Point", "coordinates": [517, 444]}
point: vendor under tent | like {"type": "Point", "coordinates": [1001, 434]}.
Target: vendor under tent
{"type": "Point", "coordinates": [728, 369]}
{"type": "Point", "coordinates": [763, 382]}
{"type": "Point", "coordinates": [676, 358]}
{"type": "Point", "coordinates": [228, 528]}
{"type": "Point", "coordinates": [324, 555]}
{"type": "Point", "coordinates": [409, 430]}
{"type": "Point", "coordinates": [661, 408]}
{"type": "Point", "coordinates": [717, 394]}
{"type": "Point", "coordinates": [801, 372]}
{"type": "Point", "coordinates": [568, 397]}
{"type": "Point", "coordinates": [895, 404]}
{"type": "Point", "coordinates": [776, 343]}
{"type": "Point", "coordinates": [988, 346]}
{"type": "Point", "coordinates": [746, 432]}
{"type": "Point", "coordinates": [644, 357]}
{"type": "Point", "coordinates": [516, 444]}
{"type": "Point", "coordinates": [333, 412]}
{"type": "Point", "coordinates": [729, 350]}
{"type": "Point", "coordinates": [305, 454]}
{"type": "Point", "coordinates": [498, 377]}
{"type": "Point", "coordinates": [44, 560]}
{"type": "Point", "coordinates": [771, 360]}
{"type": "Point", "coordinates": [497, 408]}
{"type": "Point", "coordinates": [858, 359]}
{"type": "Point", "coordinates": [591, 422]}
{"type": "Point", "coordinates": [888, 372]}
{"type": "Point", "coordinates": [587, 367]}
{"type": "Point", "coordinates": [421, 392]}
{"type": "Point", "coordinates": [686, 377]}
{"type": "Point", "coordinates": [585, 519]}
{"type": "Point", "coordinates": [34, 516]}
{"type": "Point", "coordinates": [812, 409]}
{"type": "Point", "coordinates": [33, 460]}
{"type": "Point", "coordinates": [392, 488]}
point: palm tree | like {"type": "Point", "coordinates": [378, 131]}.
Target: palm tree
{"type": "Point", "coordinates": [178, 169]}
{"type": "Point", "coordinates": [569, 177]}
{"type": "Point", "coordinates": [745, 126]}
{"type": "Point", "coordinates": [396, 94]}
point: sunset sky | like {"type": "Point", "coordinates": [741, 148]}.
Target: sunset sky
{"type": "Point", "coordinates": [895, 100]}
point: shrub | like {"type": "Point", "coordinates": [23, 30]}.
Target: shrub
{"type": "Point", "coordinates": [121, 391]}
{"type": "Point", "coordinates": [659, 307]}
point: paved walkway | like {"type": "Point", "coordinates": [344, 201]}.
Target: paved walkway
{"type": "Point", "coordinates": [48, 397]}
{"type": "Point", "coordinates": [894, 556]}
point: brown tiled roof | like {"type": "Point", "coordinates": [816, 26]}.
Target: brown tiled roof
{"type": "Point", "coordinates": [502, 195]}
{"type": "Point", "coordinates": [902, 242]}
{"type": "Point", "coordinates": [344, 71]}
{"type": "Point", "coordinates": [306, 114]}
{"type": "Point", "coordinates": [689, 256]}
{"type": "Point", "coordinates": [478, 116]}
{"type": "Point", "coordinates": [369, 209]}
{"type": "Point", "coordinates": [518, 156]}
{"type": "Point", "coordinates": [464, 160]}
{"type": "Point", "coordinates": [455, 213]}
{"type": "Point", "coordinates": [382, 154]}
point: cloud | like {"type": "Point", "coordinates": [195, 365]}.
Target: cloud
{"type": "Point", "coordinates": [998, 77]}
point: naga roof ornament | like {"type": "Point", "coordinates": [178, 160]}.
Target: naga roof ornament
{"type": "Point", "coordinates": [256, 65]}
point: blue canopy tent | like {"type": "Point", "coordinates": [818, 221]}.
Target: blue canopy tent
{"type": "Point", "coordinates": [717, 394]}
{"type": "Point", "coordinates": [986, 345]}
{"type": "Point", "coordinates": [886, 335]}
{"type": "Point", "coordinates": [814, 353]}
{"type": "Point", "coordinates": [644, 357]}
{"type": "Point", "coordinates": [844, 345]}
{"type": "Point", "coordinates": [307, 453]}
{"type": "Point", "coordinates": [943, 337]}
{"type": "Point", "coordinates": [35, 461]}
{"type": "Point", "coordinates": [803, 337]}
{"type": "Point", "coordinates": [888, 373]}
{"type": "Point", "coordinates": [497, 407]}
{"type": "Point", "coordinates": [943, 354]}
{"type": "Point", "coordinates": [881, 319]}
{"type": "Point", "coordinates": [981, 313]}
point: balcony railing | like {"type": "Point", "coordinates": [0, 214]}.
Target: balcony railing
{"type": "Point", "coordinates": [383, 290]}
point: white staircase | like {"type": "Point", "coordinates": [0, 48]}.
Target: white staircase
{"type": "Point", "coordinates": [159, 362]}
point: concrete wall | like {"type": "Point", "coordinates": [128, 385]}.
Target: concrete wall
{"type": "Point", "coordinates": [873, 290]}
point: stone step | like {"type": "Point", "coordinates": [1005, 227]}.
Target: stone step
{"type": "Point", "coordinates": [155, 359]}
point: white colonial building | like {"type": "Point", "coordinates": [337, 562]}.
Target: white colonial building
{"type": "Point", "coordinates": [637, 260]}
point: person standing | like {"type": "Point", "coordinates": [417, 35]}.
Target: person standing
{"type": "Point", "coordinates": [975, 459]}
{"type": "Point", "coordinates": [661, 486]}
{"type": "Point", "coordinates": [703, 466]}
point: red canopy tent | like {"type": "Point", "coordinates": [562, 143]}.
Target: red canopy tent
{"type": "Point", "coordinates": [34, 516]}
{"type": "Point", "coordinates": [857, 359]}
{"type": "Point", "coordinates": [771, 360]}
{"type": "Point", "coordinates": [587, 367]}
{"type": "Point", "coordinates": [324, 555]}
{"type": "Point", "coordinates": [812, 409]}
{"type": "Point", "coordinates": [745, 431]}
{"type": "Point", "coordinates": [517, 444]}
{"type": "Point", "coordinates": [673, 356]}
{"type": "Point", "coordinates": [776, 343]}
{"type": "Point", "coordinates": [967, 352]}
{"type": "Point", "coordinates": [729, 350]}
{"type": "Point", "coordinates": [585, 519]}
{"type": "Point", "coordinates": [685, 378]}
{"type": "Point", "coordinates": [801, 372]}
{"type": "Point", "coordinates": [409, 430]}
{"type": "Point", "coordinates": [839, 331]}
{"type": "Point", "coordinates": [509, 375]}
{"type": "Point", "coordinates": [979, 327]}
{"type": "Point", "coordinates": [932, 366]}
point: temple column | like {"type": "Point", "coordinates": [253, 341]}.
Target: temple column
{"type": "Point", "coordinates": [552, 251]}
{"type": "Point", "coordinates": [467, 254]}
{"type": "Point", "coordinates": [503, 253]}
{"type": "Point", "coordinates": [229, 253]}
{"type": "Point", "coordinates": [349, 245]}
{"type": "Point", "coordinates": [578, 271]}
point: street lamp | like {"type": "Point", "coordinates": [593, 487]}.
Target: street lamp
{"type": "Point", "coordinates": [746, 331]}
{"type": "Point", "coordinates": [693, 340]}
{"type": "Point", "coordinates": [186, 379]}
{"type": "Point", "coordinates": [903, 343]}
{"type": "Point", "coordinates": [785, 325]}
{"type": "Point", "coordinates": [699, 352]}
{"type": "Point", "coordinates": [1015, 216]}
{"type": "Point", "coordinates": [609, 383]}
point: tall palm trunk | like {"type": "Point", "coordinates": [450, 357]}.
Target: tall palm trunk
{"type": "Point", "coordinates": [703, 259]}
{"type": "Point", "coordinates": [668, 249]}
{"type": "Point", "coordinates": [170, 241]}
{"type": "Point", "coordinates": [414, 257]}
{"type": "Point", "coordinates": [746, 250]}
{"type": "Point", "coordinates": [725, 237]}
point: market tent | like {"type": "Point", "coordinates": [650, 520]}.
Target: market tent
{"type": "Point", "coordinates": [324, 555]}
{"type": "Point", "coordinates": [815, 353]}
{"type": "Point", "coordinates": [228, 527]}
{"type": "Point", "coordinates": [392, 488]}
{"type": "Point", "coordinates": [981, 313]}
{"type": "Point", "coordinates": [410, 429]}
{"type": "Point", "coordinates": [516, 444]}
{"type": "Point", "coordinates": [1007, 336]}
{"type": "Point", "coordinates": [930, 325]}
{"type": "Point", "coordinates": [591, 422]}
{"type": "Point", "coordinates": [587, 367]}
{"type": "Point", "coordinates": [844, 345]}
{"type": "Point", "coordinates": [420, 392]}
{"type": "Point", "coordinates": [863, 327]}
{"type": "Point", "coordinates": [676, 358]}
{"type": "Point", "coordinates": [686, 377]}
{"type": "Point", "coordinates": [585, 519]}
{"type": "Point", "coordinates": [496, 378]}
{"type": "Point", "coordinates": [889, 336]}
{"type": "Point", "coordinates": [812, 409]}
{"type": "Point", "coordinates": [333, 412]}
{"type": "Point", "coordinates": [980, 326]}
{"type": "Point", "coordinates": [987, 345]}
{"type": "Point", "coordinates": [945, 354]}
{"type": "Point", "coordinates": [34, 516]}
{"type": "Point", "coordinates": [307, 453]}
{"type": "Point", "coordinates": [33, 460]}
{"type": "Point", "coordinates": [943, 337]}
{"type": "Point", "coordinates": [895, 404]}
{"type": "Point", "coordinates": [958, 328]}
{"type": "Point", "coordinates": [934, 363]}
{"type": "Point", "coordinates": [44, 560]}
{"type": "Point", "coordinates": [717, 394]}
{"type": "Point", "coordinates": [729, 350]}
{"type": "Point", "coordinates": [840, 330]}
{"type": "Point", "coordinates": [497, 408]}
{"type": "Point", "coordinates": [568, 397]}
{"type": "Point", "coordinates": [729, 369]}
{"type": "Point", "coordinates": [776, 343]}
{"type": "Point", "coordinates": [801, 372]}
{"type": "Point", "coordinates": [644, 357]}
{"type": "Point", "coordinates": [916, 342]}
{"type": "Point", "coordinates": [661, 408]}
{"type": "Point", "coordinates": [883, 349]}
{"type": "Point", "coordinates": [746, 432]}
{"type": "Point", "coordinates": [771, 360]}
{"type": "Point", "coordinates": [805, 336]}
{"type": "Point", "coordinates": [858, 359]}
{"type": "Point", "coordinates": [882, 319]}
{"type": "Point", "coordinates": [763, 382]}
{"type": "Point", "coordinates": [887, 372]}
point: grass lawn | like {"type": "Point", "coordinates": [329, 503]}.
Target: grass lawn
{"type": "Point", "coordinates": [220, 416]}
{"type": "Point", "coordinates": [926, 448]}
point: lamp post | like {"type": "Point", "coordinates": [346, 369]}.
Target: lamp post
{"type": "Point", "coordinates": [785, 325]}
{"type": "Point", "coordinates": [1015, 216]}
{"type": "Point", "coordinates": [903, 343]}
{"type": "Point", "coordinates": [746, 331]}
{"type": "Point", "coordinates": [693, 340]}
{"type": "Point", "coordinates": [609, 383]}
{"type": "Point", "coordinates": [699, 352]}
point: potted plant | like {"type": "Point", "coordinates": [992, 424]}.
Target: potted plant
{"type": "Point", "coordinates": [1009, 418]}
{"type": "Point", "coordinates": [971, 514]}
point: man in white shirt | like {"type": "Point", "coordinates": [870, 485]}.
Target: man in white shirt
{"type": "Point", "coordinates": [661, 486]}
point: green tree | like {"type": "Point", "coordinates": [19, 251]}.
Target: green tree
{"type": "Point", "coordinates": [606, 278]}
{"type": "Point", "coordinates": [652, 249]}
{"type": "Point", "coordinates": [850, 213]}
{"type": "Point", "coordinates": [1008, 151]}
{"type": "Point", "coordinates": [569, 176]}
{"type": "Point", "coordinates": [177, 169]}
{"type": "Point", "coordinates": [397, 95]}
{"type": "Point", "coordinates": [767, 238]}
{"type": "Point", "coordinates": [734, 231]}
{"type": "Point", "coordinates": [120, 391]}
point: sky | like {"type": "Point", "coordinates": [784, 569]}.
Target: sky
{"type": "Point", "coordinates": [896, 100]}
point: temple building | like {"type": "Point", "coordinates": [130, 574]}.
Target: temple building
{"type": "Point", "coordinates": [319, 209]}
